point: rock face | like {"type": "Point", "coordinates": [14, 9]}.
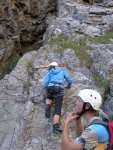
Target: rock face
{"type": "Point", "coordinates": [23, 125]}
{"type": "Point", "coordinates": [22, 23]}
{"type": "Point", "coordinates": [102, 60]}
{"type": "Point", "coordinates": [82, 19]}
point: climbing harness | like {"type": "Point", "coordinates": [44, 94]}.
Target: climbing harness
{"type": "Point", "coordinates": [55, 82]}
{"type": "Point", "coordinates": [61, 92]}
{"type": "Point", "coordinates": [44, 91]}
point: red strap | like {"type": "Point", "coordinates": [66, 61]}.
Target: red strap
{"type": "Point", "coordinates": [111, 132]}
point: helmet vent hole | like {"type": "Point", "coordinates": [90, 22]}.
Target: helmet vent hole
{"type": "Point", "coordinates": [91, 95]}
{"type": "Point", "coordinates": [95, 98]}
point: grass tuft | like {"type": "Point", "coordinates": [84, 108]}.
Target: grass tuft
{"type": "Point", "coordinates": [80, 47]}
{"type": "Point", "coordinates": [9, 67]}
{"type": "Point", "coordinates": [104, 39]}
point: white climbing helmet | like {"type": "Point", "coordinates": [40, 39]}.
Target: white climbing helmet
{"type": "Point", "coordinates": [92, 97]}
{"type": "Point", "coordinates": [53, 64]}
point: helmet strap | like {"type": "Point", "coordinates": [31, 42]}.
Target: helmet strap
{"type": "Point", "coordinates": [51, 67]}
{"type": "Point", "coordinates": [84, 110]}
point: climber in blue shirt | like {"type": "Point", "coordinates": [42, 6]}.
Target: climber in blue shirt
{"type": "Point", "coordinates": [54, 85]}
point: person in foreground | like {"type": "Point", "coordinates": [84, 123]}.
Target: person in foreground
{"type": "Point", "coordinates": [90, 137]}
{"type": "Point", "coordinates": [54, 84]}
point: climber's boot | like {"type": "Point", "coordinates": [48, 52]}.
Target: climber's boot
{"type": "Point", "coordinates": [56, 128]}
{"type": "Point", "coordinates": [47, 110]}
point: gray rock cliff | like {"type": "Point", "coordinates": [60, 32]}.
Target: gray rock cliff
{"type": "Point", "coordinates": [22, 24]}
{"type": "Point", "coordinates": [23, 125]}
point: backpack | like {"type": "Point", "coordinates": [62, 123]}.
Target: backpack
{"type": "Point", "coordinates": [109, 127]}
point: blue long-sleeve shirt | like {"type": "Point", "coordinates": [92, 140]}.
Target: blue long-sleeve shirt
{"type": "Point", "coordinates": [57, 75]}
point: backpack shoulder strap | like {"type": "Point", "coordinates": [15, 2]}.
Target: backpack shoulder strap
{"type": "Point", "coordinates": [97, 121]}
{"type": "Point", "coordinates": [106, 145]}
{"type": "Point", "coordinates": [102, 146]}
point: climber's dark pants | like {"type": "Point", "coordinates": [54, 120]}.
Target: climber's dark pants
{"type": "Point", "coordinates": [56, 93]}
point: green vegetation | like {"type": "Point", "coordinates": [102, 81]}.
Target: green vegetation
{"type": "Point", "coordinates": [8, 67]}
{"type": "Point", "coordinates": [27, 86]}
{"type": "Point", "coordinates": [111, 118]}
{"type": "Point", "coordinates": [31, 74]}
{"type": "Point", "coordinates": [106, 85]}
{"type": "Point", "coordinates": [91, 2]}
{"type": "Point", "coordinates": [100, 82]}
{"type": "Point", "coordinates": [80, 47]}
{"type": "Point", "coordinates": [81, 50]}
{"type": "Point", "coordinates": [29, 68]}
{"type": "Point", "coordinates": [29, 64]}
{"type": "Point", "coordinates": [62, 39]}
{"type": "Point", "coordinates": [104, 39]}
